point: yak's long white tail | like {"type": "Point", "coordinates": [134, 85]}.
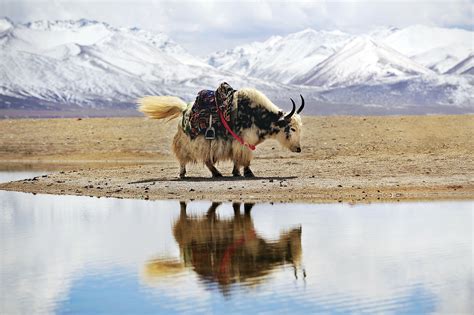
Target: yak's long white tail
{"type": "Point", "coordinates": [160, 107]}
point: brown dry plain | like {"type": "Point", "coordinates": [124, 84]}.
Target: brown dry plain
{"type": "Point", "coordinates": [345, 158]}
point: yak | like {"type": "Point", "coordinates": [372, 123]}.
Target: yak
{"type": "Point", "coordinates": [253, 119]}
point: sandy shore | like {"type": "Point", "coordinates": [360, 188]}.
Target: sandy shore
{"type": "Point", "coordinates": [350, 159]}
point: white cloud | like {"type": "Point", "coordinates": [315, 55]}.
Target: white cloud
{"type": "Point", "coordinates": [203, 26]}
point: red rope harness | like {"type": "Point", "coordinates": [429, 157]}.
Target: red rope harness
{"type": "Point", "coordinates": [226, 126]}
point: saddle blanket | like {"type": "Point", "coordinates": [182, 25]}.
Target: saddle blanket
{"type": "Point", "coordinates": [196, 118]}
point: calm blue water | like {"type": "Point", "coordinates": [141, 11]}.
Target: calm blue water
{"type": "Point", "coordinates": [81, 255]}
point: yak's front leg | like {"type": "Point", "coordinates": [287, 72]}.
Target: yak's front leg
{"type": "Point", "coordinates": [236, 170]}
{"type": "Point", "coordinates": [242, 157]}
{"type": "Point", "coordinates": [248, 172]}
{"type": "Point", "coordinates": [213, 169]}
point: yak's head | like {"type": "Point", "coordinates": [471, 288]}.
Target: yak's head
{"type": "Point", "coordinates": [289, 128]}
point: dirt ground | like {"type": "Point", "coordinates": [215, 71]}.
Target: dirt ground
{"type": "Point", "coordinates": [350, 159]}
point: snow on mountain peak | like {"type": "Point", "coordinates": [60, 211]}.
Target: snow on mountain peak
{"type": "Point", "coordinates": [309, 32]}
{"type": "Point", "coordinates": [306, 33]}
{"type": "Point", "coordinates": [362, 60]}
{"type": "Point", "coordinates": [58, 25]}
{"type": "Point", "coordinates": [418, 39]}
{"type": "Point", "coordinates": [380, 33]}
{"type": "Point", "coordinates": [5, 24]}
{"type": "Point", "coordinates": [280, 58]}
{"type": "Point", "coordinates": [285, 59]}
{"type": "Point", "coordinates": [435, 47]}
{"type": "Point", "coordinates": [63, 39]}
{"type": "Point", "coordinates": [41, 36]}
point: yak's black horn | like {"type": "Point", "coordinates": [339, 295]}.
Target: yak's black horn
{"type": "Point", "coordinates": [302, 105]}
{"type": "Point", "coordinates": [288, 117]}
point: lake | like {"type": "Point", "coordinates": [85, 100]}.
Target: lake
{"type": "Point", "coordinates": [82, 255]}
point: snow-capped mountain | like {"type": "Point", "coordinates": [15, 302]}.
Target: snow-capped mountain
{"type": "Point", "coordinates": [284, 58]}
{"type": "Point", "coordinates": [361, 60]}
{"type": "Point", "coordinates": [93, 64]}
{"type": "Point", "coordinates": [87, 64]}
{"type": "Point", "coordinates": [367, 72]}
{"type": "Point", "coordinates": [280, 58]}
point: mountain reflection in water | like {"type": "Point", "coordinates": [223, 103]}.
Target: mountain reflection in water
{"type": "Point", "coordinates": [227, 250]}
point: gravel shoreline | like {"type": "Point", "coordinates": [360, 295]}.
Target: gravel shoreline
{"type": "Point", "coordinates": [344, 159]}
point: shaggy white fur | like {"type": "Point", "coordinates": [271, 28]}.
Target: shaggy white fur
{"type": "Point", "coordinates": [258, 99]}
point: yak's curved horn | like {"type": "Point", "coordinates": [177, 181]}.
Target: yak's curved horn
{"type": "Point", "coordinates": [287, 117]}
{"type": "Point", "coordinates": [302, 105]}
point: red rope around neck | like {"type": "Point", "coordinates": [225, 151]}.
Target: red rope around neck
{"type": "Point", "coordinates": [226, 126]}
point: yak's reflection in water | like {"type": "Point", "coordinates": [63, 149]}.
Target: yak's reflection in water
{"type": "Point", "coordinates": [227, 251]}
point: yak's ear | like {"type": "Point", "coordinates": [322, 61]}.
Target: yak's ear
{"type": "Point", "coordinates": [281, 123]}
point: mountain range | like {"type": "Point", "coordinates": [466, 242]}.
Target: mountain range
{"type": "Point", "coordinates": [86, 65]}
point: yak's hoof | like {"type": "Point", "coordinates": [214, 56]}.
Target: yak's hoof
{"type": "Point", "coordinates": [215, 175]}
{"type": "Point", "coordinates": [236, 174]}
{"type": "Point", "coordinates": [181, 176]}
{"type": "Point", "coordinates": [249, 174]}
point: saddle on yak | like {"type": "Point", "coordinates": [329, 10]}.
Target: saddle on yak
{"type": "Point", "coordinates": [206, 115]}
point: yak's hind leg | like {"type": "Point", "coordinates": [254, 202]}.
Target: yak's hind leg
{"type": "Point", "coordinates": [182, 170]}
{"type": "Point", "coordinates": [215, 172]}
{"type": "Point", "coordinates": [181, 148]}
{"type": "Point", "coordinates": [219, 150]}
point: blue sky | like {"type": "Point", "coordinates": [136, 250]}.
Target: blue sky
{"type": "Point", "coordinates": [206, 26]}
